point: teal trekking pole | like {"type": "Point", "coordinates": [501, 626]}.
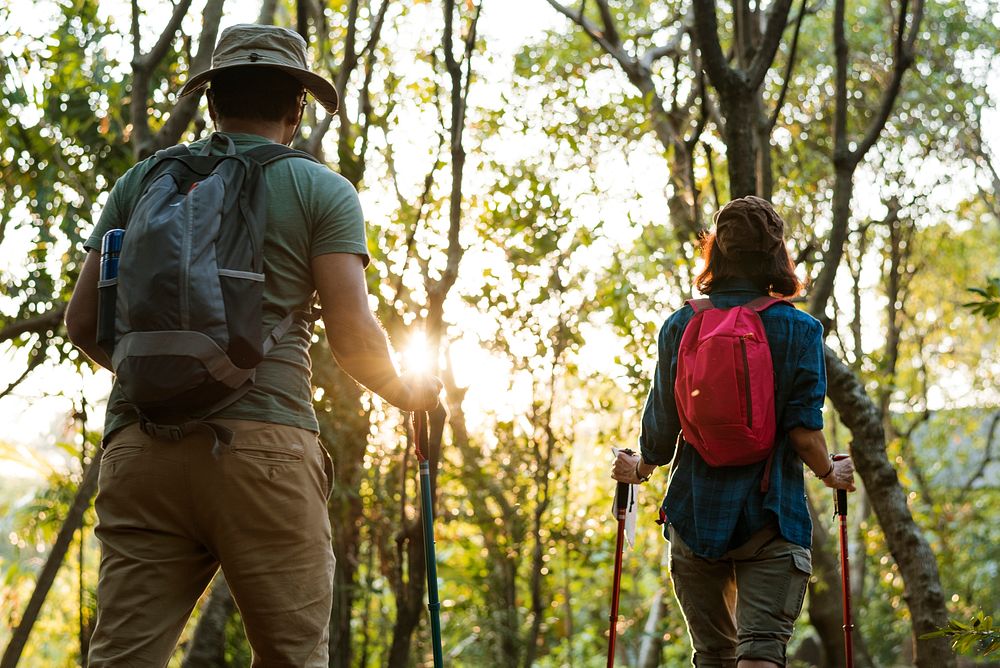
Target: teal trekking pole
{"type": "Point", "coordinates": [427, 519]}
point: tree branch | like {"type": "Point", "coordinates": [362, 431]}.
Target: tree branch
{"type": "Point", "coordinates": [143, 142]}
{"type": "Point", "coordinates": [424, 197]}
{"type": "Point", "coordinates": [673, 45]}
{"type": "Point", "coordinates": [706, 28]}
{"type": "Point", "coordinates": [376, 34]}
{"type": "Point", "coordinates": [39, 324]}
{"type": "Point", "coordinates": [592, 31]}
{"type": "Point", "coordinates": [985, 162]}
{"type": "Point", "coordinates": [159, 50]}
{"type": "Point", "coordinates": [609, 22]}
{"type": "Point", "coordinates": [917, 563]}
{"type": "Point", "coordinates": [459, 95]}
{"type": "Point", "coordinates": [764, 55]}
{"type": "Point", "coordinates": [350, 45]}
{"type": "Point", "coordinates": [991, 434]}
{"type": "Point", "coordinates": [470, 44]}
{"type": "Point", "coordinates": [302, 11]}
{"type": "Point", "coordinates": [187, 107]}
{"type": "Point", "coordinates": [792, 52]}
{"type": "Point", "coordinates": [34, 361]}
{"type": "Point", "coordinates": [902, 60]}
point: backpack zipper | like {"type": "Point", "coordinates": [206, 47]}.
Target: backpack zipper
{"type": "Point", "coordinates": [187, 232]}
{"type": "Point", "coordinates": [746, 377]}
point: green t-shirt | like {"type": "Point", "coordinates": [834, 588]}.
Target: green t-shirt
{"type": "Point", "coordinates": [311, 211]}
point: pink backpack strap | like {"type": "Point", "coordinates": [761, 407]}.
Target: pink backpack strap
{"type": "Point", "coordinates": [765, 481]}
{"type": "Point", "coordinates": [700, 305]}
{"type": "Point", "coordinates": [764, 303]}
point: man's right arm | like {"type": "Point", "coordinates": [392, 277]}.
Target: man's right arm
{"type": "Point", "coordinates": [357, 340]}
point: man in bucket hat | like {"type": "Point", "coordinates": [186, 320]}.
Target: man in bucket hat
{"type": "Point", "coordinates": [170, 512]}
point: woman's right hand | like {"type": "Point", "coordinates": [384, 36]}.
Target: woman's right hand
{"type": "Point", "coordinates": [842, 475]}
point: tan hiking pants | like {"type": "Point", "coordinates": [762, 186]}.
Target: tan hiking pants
{"type": "Point", "coordinates": [170, 513]}
{"type": "Point", "coordinates": [744, 604]}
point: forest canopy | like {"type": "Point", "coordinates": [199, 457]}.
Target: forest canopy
{"type": "Point", "coordinates": [536, 176]}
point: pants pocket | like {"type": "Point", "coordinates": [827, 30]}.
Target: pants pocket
{"type": "Point", "coordinates": [123, 448]}
{"type": "Point", "coordinates": [798, 582]}
{"type": "Point", "coordinates": [268, 454]}
{"type": "Point", "coordinates": [327, 469]}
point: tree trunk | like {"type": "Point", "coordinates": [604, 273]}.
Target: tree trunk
{"type": "Point", "coordinates": [409, 601]}
{"type": "Point", "coordinates": [74, 518]}
{"type": "Point", "coordinates": [738, 110]}
{"type": "Point", "coordinates": [651, 646]}
{"type": "Point", "coordinates": [344, 426]}
{"type": "Point", "coordinates": [765, 170]}
{"type": "Point", "coordinates": [208, 645]}
{"type": "Point", "coordinates": [917, 563]}
{"type": "Point", "coordinates": [739, 87]}
{"type": "Point", "coordinates": [267, 11]}
{"type": "Point", "coordinates": [409, 592]}
{"type": "Point", "coordinates": [500, 595]}
{"type": "Point", "coordinates": [822, 287]}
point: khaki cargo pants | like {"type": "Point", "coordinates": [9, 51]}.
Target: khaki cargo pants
{"type": "Point", "coordinates": [170, 513]}
{"type": "Point", "coordinates": [744, 604]}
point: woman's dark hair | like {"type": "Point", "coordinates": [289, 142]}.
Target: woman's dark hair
{"type": "Point", "coordinates": [255, 93]}
{"type": "Point", "coordinates": [773, 273]}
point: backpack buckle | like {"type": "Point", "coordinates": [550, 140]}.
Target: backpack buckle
{"type": "Point", "coordinates": [163, 432]}
{"type": "Point", "coordinates": [662, 519]}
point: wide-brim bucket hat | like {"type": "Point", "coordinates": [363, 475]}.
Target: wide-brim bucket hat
{"type": "Point", "coordinates": [265, 46]}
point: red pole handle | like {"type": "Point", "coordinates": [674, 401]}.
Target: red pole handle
{"type": "Point", "coordinates": [621, 507]}
{"type": "Point", "coordinates": [840, 505]}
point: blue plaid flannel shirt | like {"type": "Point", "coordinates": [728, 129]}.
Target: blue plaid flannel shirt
{"type": "Point", "coordinates": [717, 509]}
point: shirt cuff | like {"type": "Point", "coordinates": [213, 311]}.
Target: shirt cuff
{"type": "Point", "coordinates": [801, 416]}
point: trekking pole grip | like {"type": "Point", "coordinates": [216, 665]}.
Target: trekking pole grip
{"type": "Point", "coordinates": [841, 494]}
{"type": "Point", "coordinates": [621, 499]}
{"type": "Point", "coordinates": [420, 434]}
{"type": "Point", "coordinates": [842, 502]}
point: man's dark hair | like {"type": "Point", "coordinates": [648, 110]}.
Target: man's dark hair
{"type": "Point", "coordinates": [255, 93]}
{"type": "Point", "coordinates": [772, 272]}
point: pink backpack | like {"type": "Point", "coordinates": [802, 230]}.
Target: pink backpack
{"type": "Point", "coordinates": [725, 385]}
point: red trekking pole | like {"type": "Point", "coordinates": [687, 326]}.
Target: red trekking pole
{"type": "Point", "coordinates": [621, 506]}
{"type": "Point", "coordinates": [840, 509]}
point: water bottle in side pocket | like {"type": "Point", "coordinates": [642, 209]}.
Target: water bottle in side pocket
{"type": "Point", "coordinates": [107, 289]}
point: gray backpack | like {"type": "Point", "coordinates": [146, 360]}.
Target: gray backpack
{"type": "Point", "coordinates": [188, 330]}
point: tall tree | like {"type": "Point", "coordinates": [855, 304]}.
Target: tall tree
{"type": "Point", "coordinates": [457, 46]}
{"type": "Point", "coordinates": [739, 87]}
{"type": "Point", "coordinates": [848, 154]}
{"type": "Point", "coordinates": [676, 119]}
{"type": "Point", "coordinates": [74, 518]}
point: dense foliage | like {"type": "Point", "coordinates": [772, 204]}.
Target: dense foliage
{"type": "Point", "coordinates": [533, 230]}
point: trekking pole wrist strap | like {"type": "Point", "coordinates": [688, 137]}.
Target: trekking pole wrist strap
{"type": "Point", "coordinates": [828, 472]}
{"type": "Point", "coordinates": [639, 476]}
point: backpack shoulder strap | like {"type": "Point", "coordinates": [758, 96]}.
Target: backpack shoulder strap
{"type": "Point", "coordinates": [172, 152]}
{"type": "Point", "coordinates": [763, 303]}
{"type": "Point", "coordinates": [157, 159]}
{"type": "Point", "coordinates": [268, 153]}
{"type": "Point", "coordinates": [700, 305]}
